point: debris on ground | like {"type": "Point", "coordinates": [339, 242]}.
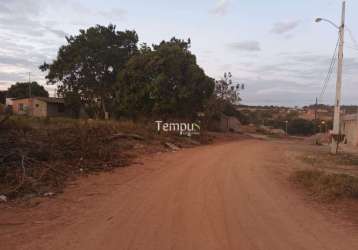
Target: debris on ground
{"type": "Point", "coordinates": [3, 198]}
{"type": "Point", "coordinates": [193, 142]}
{"type": "Point", "coordinates": [49, 194]}
{"type": "Point", "coordinates": [172, 146]}
{"type": "Point", "coordinates": [126, 136]}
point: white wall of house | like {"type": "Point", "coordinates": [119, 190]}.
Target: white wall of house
{"type": "Point", "coordinates": [350, 129]}
{"type": "Point", "coordinates": [39, 108]}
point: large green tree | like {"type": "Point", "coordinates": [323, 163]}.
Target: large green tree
{"type": "Point", "coordinates": [86, 67]}
{"type": "Point", "coordinates": [23, 89]}
{"type": "Point", "coordinates": [163, 80]}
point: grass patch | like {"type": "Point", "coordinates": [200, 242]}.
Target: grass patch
{"type": "Point", "coordinates": [342, 159]}
{"type": "Point", "coordinates": [311, 159]}
{"type": "Point", "coordinates": [347, 159]}
{"type": "Point", "coordinates": [327, 185]}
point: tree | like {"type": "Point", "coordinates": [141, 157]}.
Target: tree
{"type": "Point", "coordinates": [22, 90]}
{"type": "Point", "coordinates": [163, 80]}
{"type": "Point", "coordinates": [87, 66]}
{"type": "Point", "coordinates": [3, 95]}
{"type": "Point", "coordinates": [226, 90]}
{"type": "Point", "coordinates": [225, 98]}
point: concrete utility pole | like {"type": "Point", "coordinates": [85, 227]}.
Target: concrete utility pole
{"type": "Point", "coordinates": [337, 105]}
{"type": "Point", "coordinates": [315, 110]}
{"type": "Point", "coordinates": [315, 116]}
{"type": "Point", "coordinates": [29, 84]}
{"type": "Point", "coordinates": [30, 100]}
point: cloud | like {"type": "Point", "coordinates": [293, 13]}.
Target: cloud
{"type": "Point", "coordinates": [27, 29]}
{"type": "Point", "coordinates": [250, 46]}
{"type": "Point", "coordinates": [57, 32]}
{"type": "Point", "coordinates": [116, 13]}
{"type": "Point", "coordinates": [295, 78]}
{"type": "Point", "coordinates": [275, 91]}
{"type": "Point", "coordinates": [221, 8]}
{"type": "Point", "coordinates": [284, 27]}
{"type": "Point", "coordinates": [24, 18]}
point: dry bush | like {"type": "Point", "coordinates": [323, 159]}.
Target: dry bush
{"type": "Point", "coordinates": [38, 155]}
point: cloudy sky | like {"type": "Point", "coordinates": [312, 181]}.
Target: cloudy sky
{"type": "Point", "coordinates": [273, 46]}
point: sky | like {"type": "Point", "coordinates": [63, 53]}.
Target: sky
{"type": "Point", "coordinates": [274, 47]}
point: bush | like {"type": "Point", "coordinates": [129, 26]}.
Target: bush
{"type": "Point", "coordinates": [37, 155]}
{"type": "Point", "coordinates": [300, 127]}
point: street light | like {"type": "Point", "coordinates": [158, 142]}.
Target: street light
{"type": "Point", "coordinates": [325, 126]}
{"type": "Point", "coordinates": [319, 19]}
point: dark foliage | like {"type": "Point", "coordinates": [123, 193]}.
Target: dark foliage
{"type": "Point", "coordinates": [163, 80]}
{"type": "Point", "coordinates": [87, 66]}
{"type": "Point", "coordinates": [301, 127]}
{"type": "Point", "coordinates": [22, 90]}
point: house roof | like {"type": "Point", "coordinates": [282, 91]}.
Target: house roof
{"type": "Point", "coordinates": [51, 99]}
{"type": "Point", "coordinates": [45, 99]}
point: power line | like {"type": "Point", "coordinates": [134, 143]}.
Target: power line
{"type": "Point", "coordinates": [354, 44]}
{"type": "Point", "coordinates": [330, 71]}
{"type": "Point", "coordinates": [352, 37]}
{"type": "Point", "coordinates": [328, 77]}
{"type": "Point", "coordinates": [351, 47]}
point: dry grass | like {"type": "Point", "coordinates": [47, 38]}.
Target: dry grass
{"type": "Point", "coordinates": [41, 155]}
{"type": "Point", "coordinates": [343, 159]}
{"type": "Point", "coordinates": [327, 186]}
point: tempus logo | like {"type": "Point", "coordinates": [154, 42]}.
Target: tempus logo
{"type": "Point", "coordinates": [182, 128]}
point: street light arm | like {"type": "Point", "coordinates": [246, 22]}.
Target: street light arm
{"type": "Point", "coordinates": [328, 21]}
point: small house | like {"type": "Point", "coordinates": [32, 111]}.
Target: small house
{"type": "Point", "coordinates": [40, 107]}
{"type": "Point", "coordinates": [350, 129]}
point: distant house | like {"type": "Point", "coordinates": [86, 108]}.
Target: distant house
{"type": "Point", "coordinates": [350, 129]}
{"type": "Point", "coordinates": [227, 124]}
{"type": "Point", "coordinates": [319, 113]}
{"type": "Point", "coordinates": [40, 107]}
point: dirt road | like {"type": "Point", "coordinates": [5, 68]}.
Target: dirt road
{"type": "Point", "coordinates": [227, 196]}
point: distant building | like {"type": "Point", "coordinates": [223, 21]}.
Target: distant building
{"type": "Point", "coordinates": [40, 107]}
{"type": "Point", "coordinates": [8, 101]}
{"type": "Point", "coordinates": [350, 129]}
{"type": "Point", "coordinates": [226, 124]}
{"type": "Point", "coordinates": [320, 113]}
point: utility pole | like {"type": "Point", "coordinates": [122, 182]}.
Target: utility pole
{"type": "Point", "coordinates": [30, 100]}
{"type": "Point", "coordinates": [337, 105]}
{"type": "Point", "coordinates": [29, 84]}
{"type": "Point", "coordinates": [315, 117]}
{"type": "Point", "coordinates": [315, 110]}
